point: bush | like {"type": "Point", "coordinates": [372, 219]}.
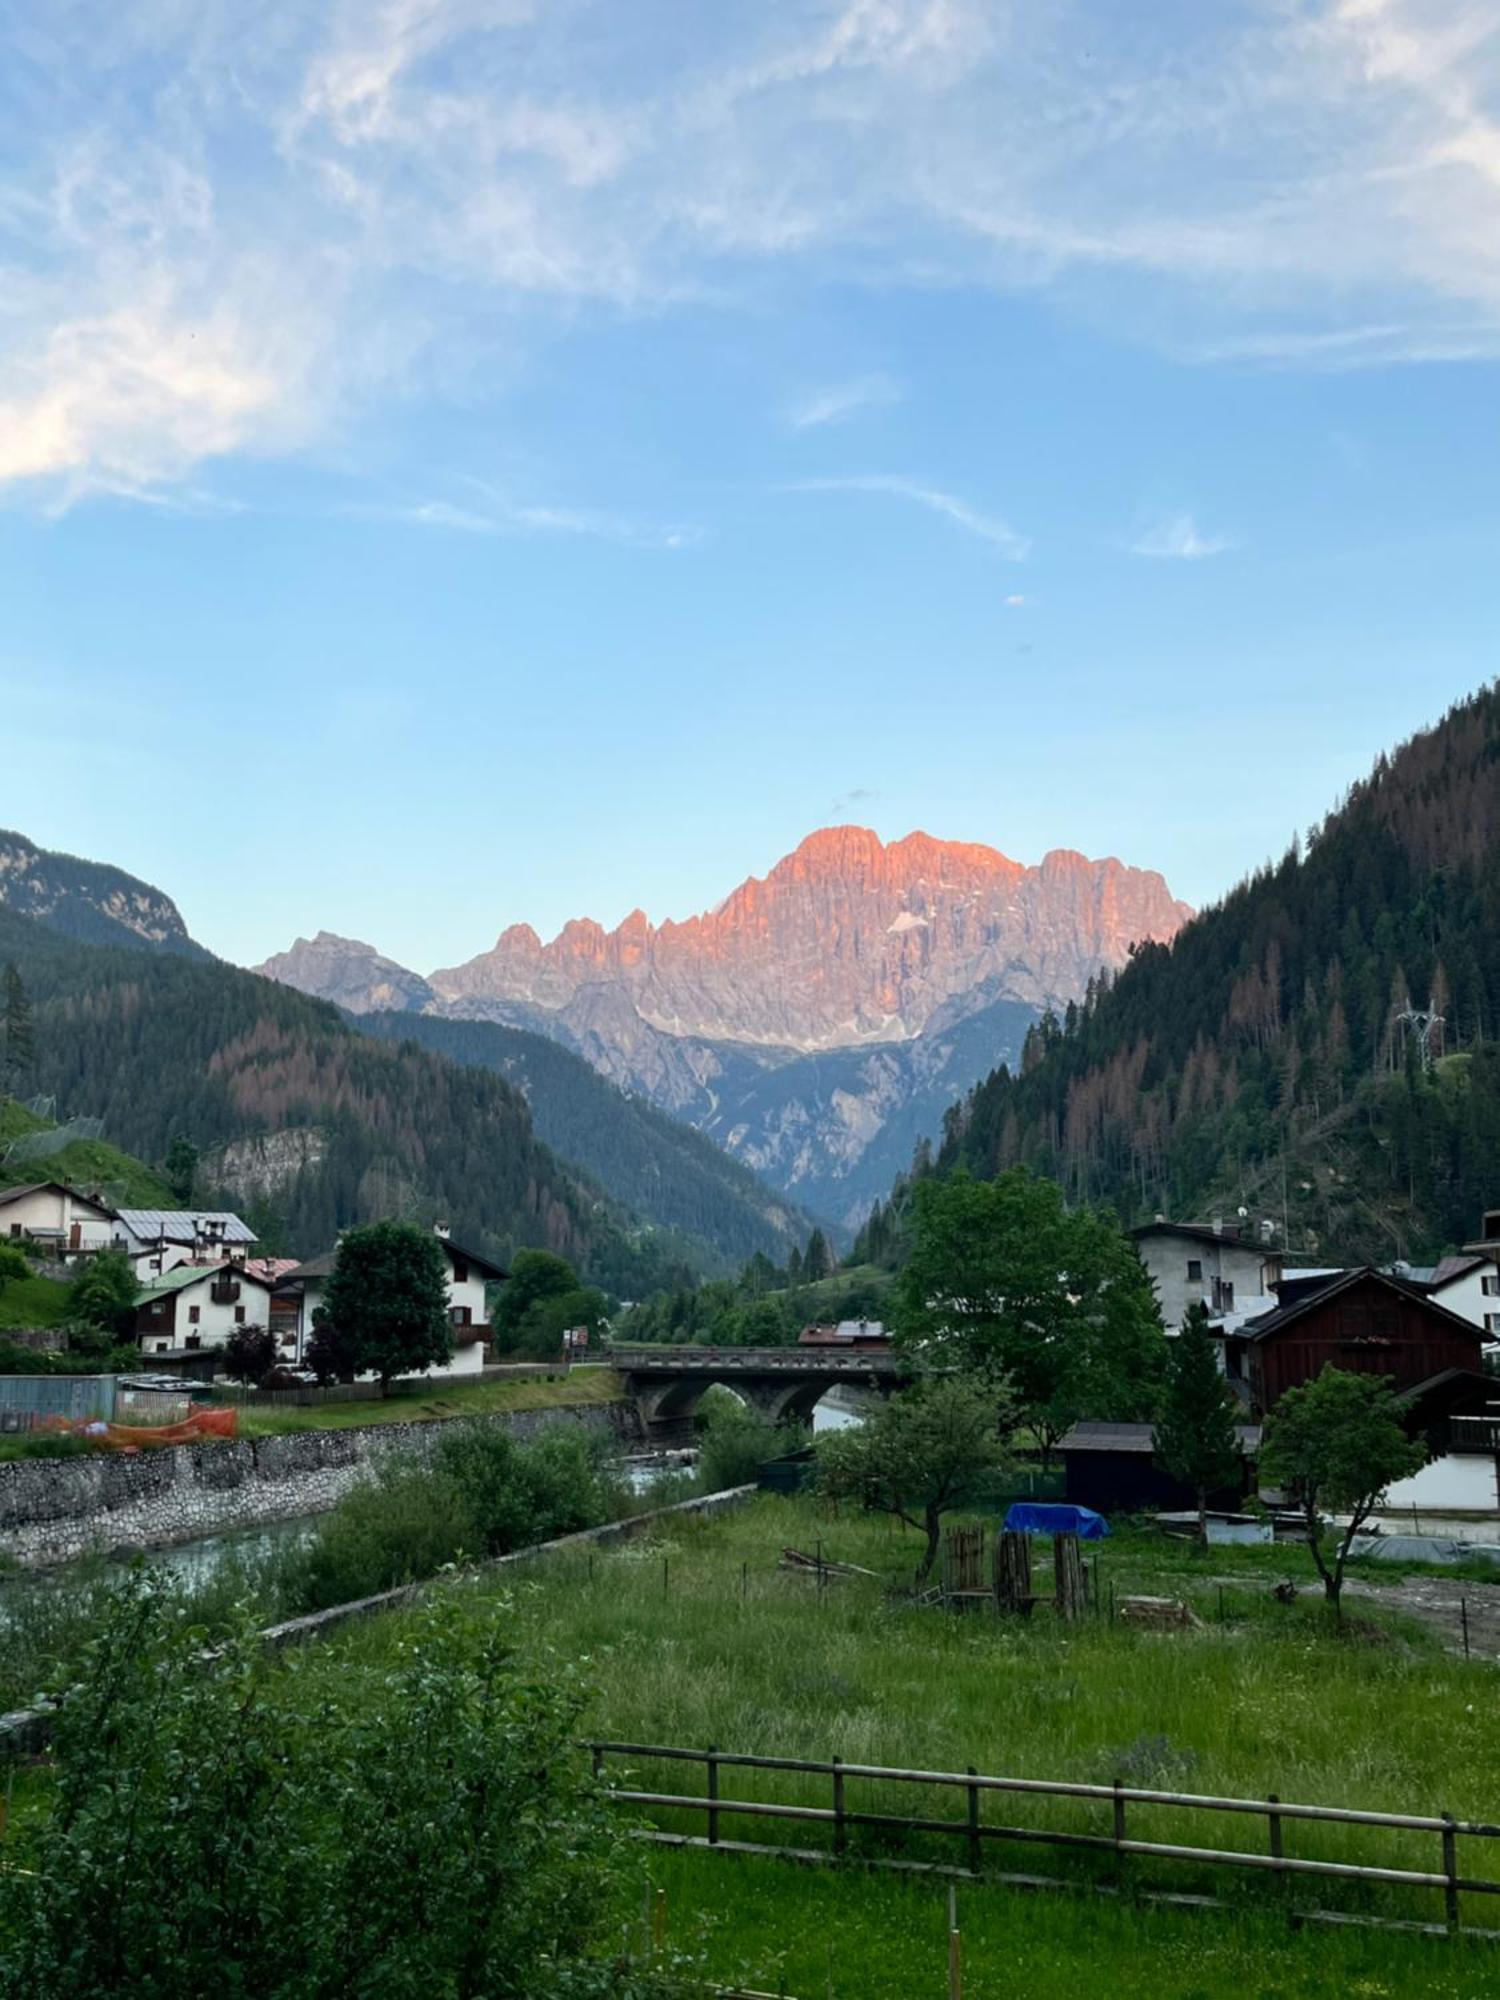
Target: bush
{"type": "Point", "coordinates": [523, 1493]}
{"type": "Point", "coordinates": [422, 1824]}
{"type": "Point", "coordinates": [404, 1527]}
{"type": "Point", "coordinates": [734, 1443]}
{"type": "Point", "coordinates": [101, 1301]}
{"type": "Point", "coordinates": [249, 1354]}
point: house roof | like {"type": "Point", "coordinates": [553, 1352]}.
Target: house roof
{"type": "Point", "coordinates": [11, 1194]}
{"type": "Point", "coordinates": [1450, 1269]}
{"type": "Point", "coordinates": [1201, 1232]}
{"type": "Point", "coordinates": [1284, 1315]}
{"type": "Point", "coordinates": [186, 1276]}
{"type": "Point", "coordinates": [317, 1268]}
{"type": "Point", "coordinates": [185, 1225]}
{"type": "Point", "coordinates": [1138, 1438]}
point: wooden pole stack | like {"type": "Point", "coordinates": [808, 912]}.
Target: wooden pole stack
{"type": "Point", "coordinates": [1071, 1595]}
{"type": "Point", "coordinates": [1013, 1572]}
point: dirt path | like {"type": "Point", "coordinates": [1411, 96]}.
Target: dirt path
{"type": "Point", "coordinates": [1441, 1605]}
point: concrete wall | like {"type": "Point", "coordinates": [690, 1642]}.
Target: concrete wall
{"type": "Point", "coordinates": [52, 1510]}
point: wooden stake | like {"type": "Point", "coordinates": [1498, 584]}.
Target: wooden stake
{"type": "Point", "coordinates": [659, 1921]}
{"type": "Point", "coordinates": [955, 1950]}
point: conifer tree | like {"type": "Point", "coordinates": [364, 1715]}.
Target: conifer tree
{"type": "Point", "coordinates": [1195, 1438]}
{"type": "Point", "coordinates": [18, 1053]}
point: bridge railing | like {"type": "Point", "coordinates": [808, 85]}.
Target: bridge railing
{"type": "Point", "coordinates": [641, 1358]}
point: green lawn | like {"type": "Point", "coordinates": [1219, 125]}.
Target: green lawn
{"type": "Point", "coordinates": [33, 1301]}
{"type": "Point", "coordinates": [697, 1637]}
{"type": "Point", "coordinates": [433, 1405]}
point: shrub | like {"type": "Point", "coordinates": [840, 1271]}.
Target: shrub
{"type": "Point", "coordinates": [249, 1354]}
{"type": "Point", "coordinates": [735, 1443]}
{"type": "Point", "coordinates": [421, 1825]}
{"type": "Point", "coordinates": [399, 1529]}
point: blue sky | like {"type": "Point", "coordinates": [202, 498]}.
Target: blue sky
{"type": "Point", "coordinates": [470, 461]}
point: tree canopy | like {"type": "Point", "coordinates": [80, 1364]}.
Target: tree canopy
{"type": "Point", "coordinates": [1004, 1277]}
{"type": "Point", "coordinates": [1333, 1445]}
{"type": "Point", "coordinates": [1195, 1437]}
{"type": "Point", "coordinates": [921, 1454]}
{"type": "Point", "coordinates": [388, 1298]}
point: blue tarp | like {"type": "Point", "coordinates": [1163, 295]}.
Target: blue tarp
{"type": "Point", "coordinates": [1035, 1517]}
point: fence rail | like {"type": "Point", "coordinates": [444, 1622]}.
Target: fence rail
{"type": "Point", "coordinates": [974, 1830]}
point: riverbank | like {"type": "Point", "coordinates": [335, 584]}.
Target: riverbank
{"type": "Point", "coordinates": [54, 1511]}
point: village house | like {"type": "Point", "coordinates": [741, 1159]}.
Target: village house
{"type": "Point", "coordinates": [1214, 1264]}
{"type": "Point", "coordinates": [57, 1217]}
{"type": "Point", "coordinates": [299, 1294]}
{"type": "Point", "coordinates": [845, 1333]}
{"type": "Point", "coordinates": [157, 1240]}
{"type": "Point", "coordinates": [194, 1309]}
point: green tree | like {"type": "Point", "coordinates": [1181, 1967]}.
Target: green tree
{"type": "Point", "coordinates": [181, 1168]}
{"type": "Point", "coordinates": [388, 1297]}
{"type": "Point", "coordinates": [1195, 1437]}
{"type": "Point", "coordinates": [249, 1354]}
{"type": "Point", "coordinates": [1005, 1278]}
{"type": "Point", "coordinates": [1333, 1445]}
{"type": "Point", "coordinates": [15, 1265]}
{"type": "Point", "coordinates": [102, 1301]}
{"type": "Point", "coordinates": [921, 1454]}
{"type": "Point", "coordinates": [535, 1277]}
{"type": "Point", "coordinates": [817, 1261]}
{"type": "Point", "coordinates": [328, 1354]}
{"type": "Point", "coordinates": [17, 1037]}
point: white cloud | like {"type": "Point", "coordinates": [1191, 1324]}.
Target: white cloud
{"type": "Point", "coordinates": [833, 405]}
{"type": "Point", "coordinates": [219, 243]}
{"type": "Point", "coordinates": [503, 516]}
{"type": "Point", "coordinates": [1180, 539]}
{"type": "Point", "coordinates": [988, 527]}
{"type": "Point", "coordinates": [1016, 602]}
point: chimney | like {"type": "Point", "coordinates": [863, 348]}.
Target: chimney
{"type": "Point", "coordinates": [442, 1229]}
{"type": "Point", "coordinates": [1218, 1225]}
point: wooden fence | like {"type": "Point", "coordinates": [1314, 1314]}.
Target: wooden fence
{"type": "Point", "coordinates": [974, 1830]}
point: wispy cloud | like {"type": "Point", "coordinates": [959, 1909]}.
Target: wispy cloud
{"type": "Point", "coordinates": [195, 271]}
{"type": "Point", "coordinates": [503, 516]}
{"type": "Point", "coordinates": [859, 795]}
{"type": "Point", "coordinates": [1017, 602]}
{"type": "Point", "coordinates": [1180, 539]}
{"type": "Point", "coordinates": [834, 405]}
{"type": "Point", "coordinates": [988, 527]}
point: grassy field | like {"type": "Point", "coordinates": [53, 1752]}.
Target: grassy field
{"type": "Point", "coordinates": [437, 1403]}
{"type": "Point", "coordinates": [700, 1638]}
{"type": "Point", "coordinates": [33, 1302]}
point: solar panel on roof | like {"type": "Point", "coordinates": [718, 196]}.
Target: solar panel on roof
{"type": "Point", "coordinates": [183, 1225]}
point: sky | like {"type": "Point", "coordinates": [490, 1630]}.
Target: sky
{"type": "Point", "coordinates": [476, 461]}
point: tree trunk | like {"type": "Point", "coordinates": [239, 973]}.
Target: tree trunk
{"type": "Point", "coordinates": [1202, 1517]}
{"type": "Point", "coordinates": [932, 1523]}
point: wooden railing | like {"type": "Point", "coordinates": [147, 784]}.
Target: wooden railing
{"type": "Point", "coordinates": [974, 1830]}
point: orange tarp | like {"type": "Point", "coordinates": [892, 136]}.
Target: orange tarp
{"type": "Point", "coordinates": [201, 1426]}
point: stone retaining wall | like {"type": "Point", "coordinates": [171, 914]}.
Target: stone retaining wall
{"type": "Point", "coordinates": [55, 1509]}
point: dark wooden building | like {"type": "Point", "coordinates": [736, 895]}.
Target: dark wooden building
{"type": "Point", "coordinates": [1113, 1469]}
{"type": "Point", "coordinates": [1365, 1321]}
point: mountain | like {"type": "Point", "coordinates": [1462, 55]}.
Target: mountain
{"type": "Point", "coordinates": [818, 1022]}
{"type": "Point", "coordinates": [88, 900]}
{"type": "Point", "coordinates": [1272, 1056]}
{"type": "Point", "coordinates": [654, 1164]}
{"type": "Point", "coordinates": [291, 1108]}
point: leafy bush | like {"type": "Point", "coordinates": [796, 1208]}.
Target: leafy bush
{"type": "Point", "coordinates": [249, 1354]}
{"type": "Point", "coordinates": [399, 1529]}
{"type": "Point", "coordinates": [416, 1825]}
{"type": "Point", "coordinates": [735, 1442]}
{"type": "Point", "coordinates": [101, 1303]}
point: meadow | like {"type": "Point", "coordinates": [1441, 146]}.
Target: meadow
{"type": "Point", "coordinates": [700, 1638]}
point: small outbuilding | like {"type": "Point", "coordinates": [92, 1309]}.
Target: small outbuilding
{"type": "Point", "coordinates": [1112, 1468]}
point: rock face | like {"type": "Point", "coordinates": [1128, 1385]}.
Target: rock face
{"type": "Point", "coordinates": [819, 1021]}
{"type": "Point", "coordinates": [846, 941]}
{"type": "Point", "coordinates": [350, 974]}
{"type": "Point", "coordinates": [89, 900]}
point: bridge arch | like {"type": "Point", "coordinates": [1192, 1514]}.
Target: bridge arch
{"type": "Point", "coordinates": [780, 1384]}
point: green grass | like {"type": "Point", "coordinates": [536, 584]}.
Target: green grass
{"type": "Point", "coordinates": [85, 1163]}
{"type": "Point", "coordinates": [434, 1405]}
{"type": "Point", "coordinates": [698, 1637]}
{"type": "Point", "coordinates": [33, 1302]}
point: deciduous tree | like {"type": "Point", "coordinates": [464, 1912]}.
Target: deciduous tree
{"type": "Point", "coordinates": [1333, 1445]}
{"type": "Point", "coordinates": [388, 1298]}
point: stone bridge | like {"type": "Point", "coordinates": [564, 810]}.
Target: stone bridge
{"type": "Point", "coordinates": [783, 1384]}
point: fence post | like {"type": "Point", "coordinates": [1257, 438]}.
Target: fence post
{"type": "Point", "coordinates": [1273, 1821]}
{"type": "Point", "coordinates": [665, 1569]}
{"type": "Point", "coordinates": [1119, 1814]}
{"type": "Point", "coordinates": [839, 1835]}
{"type": "Point", "coordinates": [598, 1757]}
{"type": "Point", "coordinates": [974, 1840]}
{"type": "Point", "coordinates": [713, 1793]}
{"type": "Point", "coordinates": [1463, 1612]}
{"type": "Point", "coordinates": [1450, 1869]}
{"type": "Point", "coordinates": [955, 1949]}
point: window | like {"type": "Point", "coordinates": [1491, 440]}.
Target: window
{"type": "Point", "coordinates": [460, 1271]}
{"type": "Point", "coordinates": [239, 1315]}
{"type": "Point", "coordinates": [1223, 1295]}
{"type": "Point", "coordinates": [1490, 1285]}
{"type": "Point", "coordinates": [1492, 1323]}
{"type": "Point", "coordinates": [195, 1313]}
{"type": "Point", "coordinates": [460, 1315]}
{"type": "Point", "coordinates": [1195, 1271]}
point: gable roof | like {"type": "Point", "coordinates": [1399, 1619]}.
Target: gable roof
{"type": "Point", "coordinates": [1285, 1315]}
{"type": "Point", "coordinates": [486, 1266]}
{"type": "Point", "coordinates": [11, 1194]}
{"type": "Point", "coordinates": [1450, 1269]}
{"type": "Point", "coordinates": [316, 1268]}
{"type": "Point", "coordinates": [185, 1225]}
{"type": "Point", "coordinates": [1139, 1438]}
{"type": "Point", "coordinates": [186, 1276]}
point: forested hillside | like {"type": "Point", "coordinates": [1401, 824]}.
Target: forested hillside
{"type": "Point", "coordinates": [159, 1046]}
{"type": "Point", "coordinates": [649, 1161]}
{"type": "Point", "coordinates": [1262, 1057]}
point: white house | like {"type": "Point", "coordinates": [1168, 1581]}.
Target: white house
{"type": "Point", "coordinates": [157, 1240]}
{"type": "Point", "coordinates": [1214, 1264]}
{"type": "Point", "coordinates": [196, 1307]}
{"type": "Point", "coordinates": [299, 1295]}
{"type": "Point", "coordinates": [1470, 1287]}
{"type": "Point", "coordinates": [58, 1217]}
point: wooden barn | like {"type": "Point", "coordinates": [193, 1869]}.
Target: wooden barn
{"type": "Point", "coordinates": [1363, 1320]}
{"type": "Point", "coordinates": [1112, 1468]}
